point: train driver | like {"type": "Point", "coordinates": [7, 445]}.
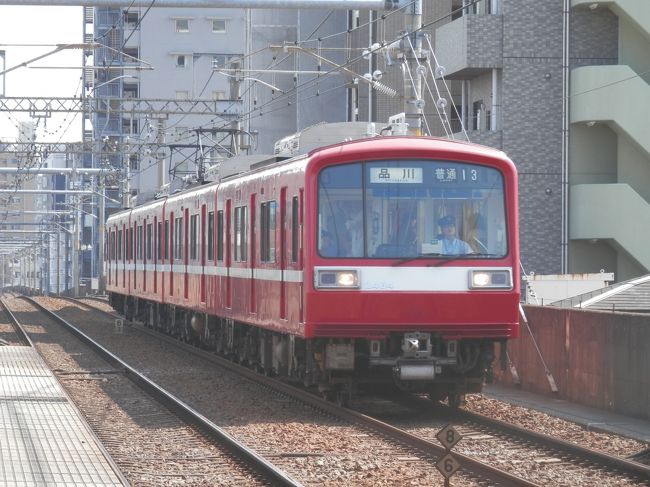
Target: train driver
{"type": "Point", "coordinates": [451, 244]}
{"type": "Point", "coordinates": [328, 246]}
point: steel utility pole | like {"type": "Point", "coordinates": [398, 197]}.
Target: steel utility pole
{"type": "Point", "coordinates": [413, 99]}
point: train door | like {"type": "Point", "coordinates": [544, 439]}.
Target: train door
{"type": "Point", "coordinates": [283, 253]}
{"type": "Point", "coordinates": [253, 254]}
{"type": "Point", "coordinates": [202, 234]}
{"type": "Point", "coordinates": [185, 255]}
{"type": "Point", "coordinates": [228, 253]}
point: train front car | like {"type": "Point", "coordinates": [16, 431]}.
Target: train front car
{"type": "Point", "coordinates": [411, 268]}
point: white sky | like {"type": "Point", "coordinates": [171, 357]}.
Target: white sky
{"type": "Point", "coordinates": [48, 26]}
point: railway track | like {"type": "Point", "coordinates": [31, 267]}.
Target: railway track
{"type": "Point", "coordinates": [535, 451]}
{"type": "Point", "coordinates": [154, 438]}
{"type": "Point", "coordinates": [332, 436]}
{"type": "Point", "coordinates": [557, 458]}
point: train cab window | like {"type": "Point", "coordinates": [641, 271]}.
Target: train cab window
{"type": "Point", "coordinates": [119, 245]}
{"type": "Point", "coordinates": [210, 230]}
{"type": "Point", "coordinates": [149, 241]}
{"type": "Point", "coordinates": [220, 235]}
{"type": "Point", "coordinates": [267, 233]}
{"type": "Point", "coordinates": [194, 237]}
{"type": "Point", "coordinates": [178, 238]}
{"type": "Point", "coordinates": [295, 229]}
{"type": "Point", "coordinates": [411, 208]}
{"type": "Point", "coordinates": [241, 233]}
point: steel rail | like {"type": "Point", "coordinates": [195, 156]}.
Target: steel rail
{"type": "Point", "coordinates": [470, 466]}
{"type": "Point", "coordinates": [184, 411]}
{"type": "Point", "coordinates": [622, 465]}
{"type": "Point", "coordinates": [626, 466]}
{"type": "Point", "coordinates": [20, 331]}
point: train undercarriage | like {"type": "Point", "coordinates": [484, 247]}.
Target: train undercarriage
{"type": "Point", "coordinates": [414, 362]}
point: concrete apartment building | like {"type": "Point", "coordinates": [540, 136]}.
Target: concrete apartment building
{"type": "Point", "coordinates": [216, 58]}
{"type": "Point", "coordinates": [19, 214]}
{"type": "Point", "coordinates": [584, 165]}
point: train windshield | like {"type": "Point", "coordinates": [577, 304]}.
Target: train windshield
{"type": "Point", "coordinates": [411, 208]}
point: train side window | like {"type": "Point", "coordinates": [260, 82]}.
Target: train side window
{"type": "Point", "coordinates": [159, 247]}
{"type": "Point", "coordinates": [139, 246]}
{"type": "Point", "coordinates": [178, 238]}
{"type": "Point", "coordinates": [295, 228]}
{"type": "Point", "coordinates": [112, 245]}
{"type": "Point", "coordinates": [267, 223]}
{"type": "Point", "coordinates": [166, 241]}
{"type": "Point", "coordinates": [210, 235]}
{"type": "Point", "coordinates": [220, 235]}
{"type": "Point", "coordinates": [241, 239]}
{"type": "Point", "coordinates": [119, 244]}
{"type": "Point", "coordinates": [194, 237]}
{"type": "Point", "coordinates": [149, 241]}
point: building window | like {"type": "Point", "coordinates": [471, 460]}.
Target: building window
{"type": "Point", "coordinates": [218, 26]}
{"type": "Point", "coordinates": [219, 95]}
{"type": "Point", "coordinates": [182, 61]}
{"type": "Point", "coordinates": [183, 95]}
{"type": "Point", "coordinates": [130, 90]}
{"type": "Point", "coordinates": [182, 25]}
{"type": "Point", "coordinates": [131, 55]}
{"type": "Point", "coordinates": [134, 162]}
{"type": "Point", "coordinates": [130, 19]}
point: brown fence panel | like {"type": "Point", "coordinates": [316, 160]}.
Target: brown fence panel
{"type": "Point", "coordinates": [595, 358]}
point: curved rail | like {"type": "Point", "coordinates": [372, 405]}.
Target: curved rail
{"type": "Point", "coordinates": [188, 414]}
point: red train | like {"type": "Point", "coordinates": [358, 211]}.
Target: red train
{"type": "Point", "coordinates": [382, 260]}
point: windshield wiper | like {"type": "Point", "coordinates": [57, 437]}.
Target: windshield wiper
{"type": "Point", "coordinates": [415, 257]}
{"type": "Point", "coordinates": [445, 257]}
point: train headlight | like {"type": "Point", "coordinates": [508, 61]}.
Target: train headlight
{"type": "Point", "coordinates": [337, 279]}
{"type": "Point", "coordinates": [490, 279]}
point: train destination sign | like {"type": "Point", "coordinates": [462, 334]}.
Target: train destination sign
{"type": "Point", "coordinates": [396, 175]}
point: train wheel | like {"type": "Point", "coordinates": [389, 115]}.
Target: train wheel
{"type": "Point", "coordinates": [343, 398]}
{"type": "Point", "coordinates": [455, 400]}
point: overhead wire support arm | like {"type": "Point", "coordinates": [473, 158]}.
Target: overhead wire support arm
{"type": "Point", "coordinates": [289, 4]}
{"type": "Point", "coordinates": [387, 90]}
